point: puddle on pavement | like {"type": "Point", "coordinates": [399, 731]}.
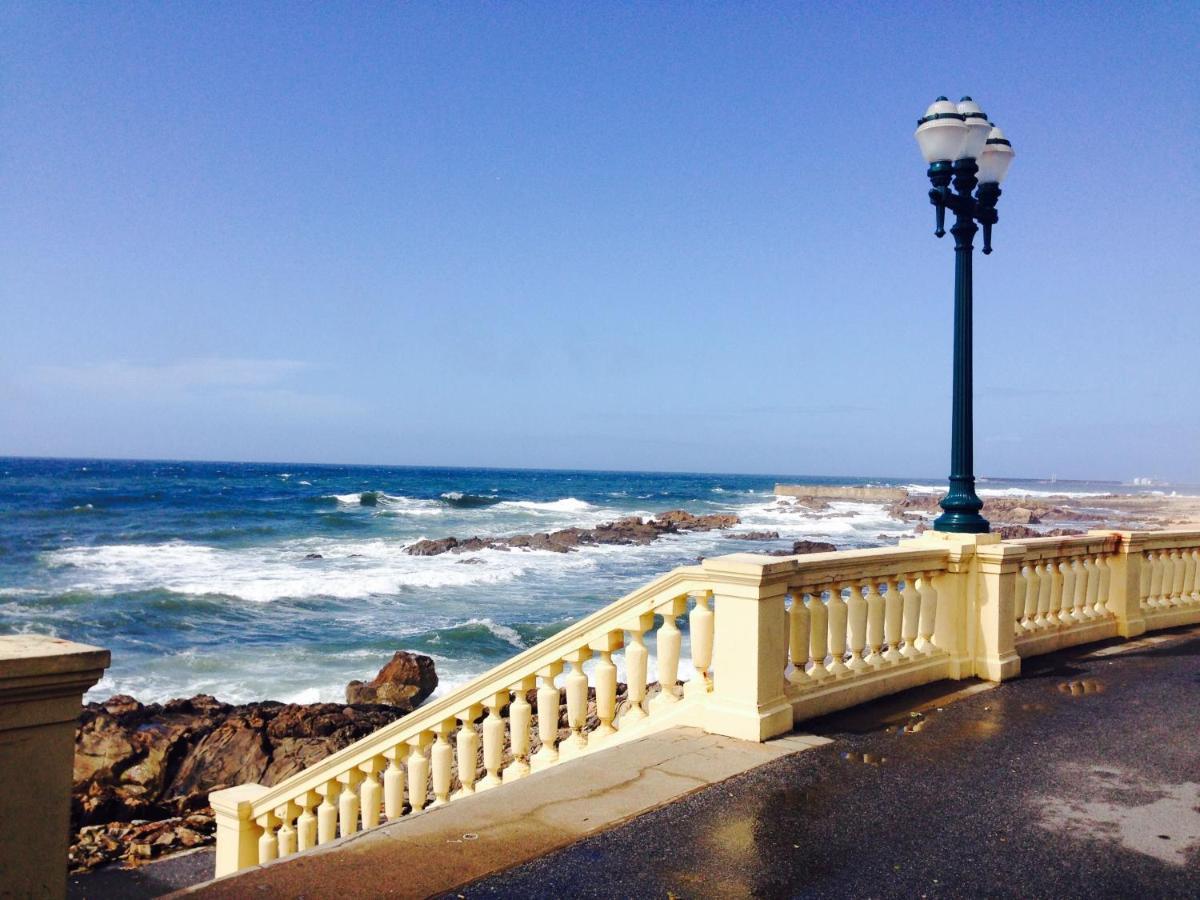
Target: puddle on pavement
{"type": "Point", "coordinates": [1081, 687]}
{"type": "Point", "coordinates": [866, 759]}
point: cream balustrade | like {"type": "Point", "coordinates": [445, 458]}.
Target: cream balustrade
{"type": "Point", "coordinates": [773, 641]}
{"type": "Point", "coordinates": [1062, 592]}
{"type": "Point", "coordinates": [456, 746]}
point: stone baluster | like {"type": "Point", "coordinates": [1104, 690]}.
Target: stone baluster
{"type": "Point", "coordinates": [1020, 590]}
{"type": "Point", "coordinates": [287, 830]}
{"type": "Point", "coordinates": [371, 792]}
{"type": "Point", "coordinates": [1045, 582]}
{"type": "Point", "coordinates": [910, 601]}
{"type": "Point", "coordinates": [493, 738]}
{"type": "Point", "coordinates": [1104, 569]}
{"type": "Point", "coordinates": [327, 812]}
{"type": "Point", "coordinates": [1066, 614]}
{"type": "Point", "coordinates": [799, 630]}
{"type": "Point", "coordinates": [1033, 588]}
{"type": "Point", "coordinates": [1194, 574]}
{"type": "Point", "coordinates": [268, 848]}
{"type": "Point", "coordinates": [466, 745]}
{"type": "Point", "coordinates": [348, 802]}
{"type": "Point", "coordinates": [520, 715]}
{"type": "Point", "coordinates": [1093, 587]}
{"type": "Point", "coordinates": [1180, 568]}
{"type": "Point", "coordinates": [604, 678]}
{"type": "Point", "coordinates": [856, 613]}
{"type": "Point", "coordinates": [839, 614]}
{"type": "Point", "coordinates": [636, 655]}
{"type": "Point", "coordinates": [441, 761]}
{"type": "Point", "coordinates": [1154, 597]}
{"type": "Point", "coordinates": [306, 825]}
{"type": "Point", "coordinates": [418, 771]}
{"type": "Point", "coordinates": [1078, 591]}
{"type": "Point", "coordinates": [893, 621]}
{"type": "Point", "coordinates": [547, 712]}
{"type": "Point", "coordinates": [875, 621]}
{"type": "Point", "coordinates": [577, 701]}
{"type": "Point", "coordinates": [393, 784]}
{"type": "Point", "coordinates": [668, 642]}
{"type": "Point", "coordinates": [928, 622]}
{"type": "Point", "coordinates": [700, 628]}
{"type": "Point", "coordinates": [1054, 612]}
{"type": "Point", "coordinates": [819, 635]}
{"type": "Point", "coordinates": [1145, 580]}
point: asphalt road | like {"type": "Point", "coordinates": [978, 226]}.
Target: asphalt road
{"type": "Point", "coordinates": [1080, 779]}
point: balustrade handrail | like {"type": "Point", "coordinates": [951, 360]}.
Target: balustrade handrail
{"type": "Point", "coordinates": [826, 569]}
{"type": "Point", "coordinates": [680, 581]}
{"type": "Point", "coordinates": [1057, 547]}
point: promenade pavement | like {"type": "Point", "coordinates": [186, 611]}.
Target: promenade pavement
{"type": "Point", "coordinates": [1080, 779]}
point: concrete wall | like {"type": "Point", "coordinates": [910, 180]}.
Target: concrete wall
{"type": "Point", "coordinates": [837, 492]}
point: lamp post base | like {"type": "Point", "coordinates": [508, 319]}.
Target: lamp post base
{"type": "Point", "coordinates": [961, 508]}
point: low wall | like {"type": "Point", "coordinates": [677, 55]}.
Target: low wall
{"type": "Point", "coordinates": [838, 492]}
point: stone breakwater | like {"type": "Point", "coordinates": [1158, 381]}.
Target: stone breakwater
{"type": "Point", "coordinates": [629, 530]}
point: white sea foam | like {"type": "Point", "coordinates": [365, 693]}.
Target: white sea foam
{"type": "Point", "coordinates": [566, 505]}
{"type": "Point", "coordinates": [1006, 492]}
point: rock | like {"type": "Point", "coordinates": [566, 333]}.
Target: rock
{"type": "Point", "coordinates": [1016, 532]}
{"type": "Point", "coordinates": [629, 530]}
{"type": "Point", "coordinates": [1021, 516]}
{"type": "Point", "coordinates": [404, 682]}
{"type": "Point", "coordinates": [140, 768]}
{"type": "Point", "coordinates": [313, 556]}
{"type": "Point", "coordinates": [431, 547]}
{"type": "Point", "coordinates": [802, 547]}
{"type": "Point", "coordinates": [813, 547]}
{"type": "Point", "coordinates": [753, 536]}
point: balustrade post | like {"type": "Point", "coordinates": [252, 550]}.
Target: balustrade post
{"type": "Point", "coordinates": [42, 682]}
{"type": "Point", "coordinates": [605, 679]}
{"type": "Point", "coordinates": [547, 713]}
{"type": "Point", "coordinates": [636, 656]}
{"type": "Point", "coordinates": [1125, 581]}
{"type": "Point", "coordinates": [996, 657]}
{"type": "Point", "coordinates": [520, 715]}
{"type": "Point", "coordinates": [237, 833]}
{"type": "Point", "coordinates": [467, 746]}
{"type": "Point", "coordinates": [748, 699]}
{"type": "Point", "coordinates": [493, 739]}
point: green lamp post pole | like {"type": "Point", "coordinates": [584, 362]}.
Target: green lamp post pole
{"type": "Point", "coordinates": [965, 150]}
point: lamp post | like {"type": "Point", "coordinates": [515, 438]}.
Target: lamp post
{"type": "Point", "coordinates": [962, 147]}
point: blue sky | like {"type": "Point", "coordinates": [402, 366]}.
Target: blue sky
{"type": "Point", "coordinates": [651, 236]}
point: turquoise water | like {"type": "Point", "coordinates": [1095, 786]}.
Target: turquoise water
{"type": "Point", "coordinates": [252, 581]}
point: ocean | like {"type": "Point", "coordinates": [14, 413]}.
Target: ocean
{"type": "Point", "coordinates": [254, 581]}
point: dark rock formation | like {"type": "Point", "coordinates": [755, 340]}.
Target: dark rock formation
{"type": "Point", "coordinates": [629, 530]}
{"type": "Point", "coordinates": [754, 536]}
{"type": "Point", "coordinates": [802, 547]}
{"type": "Point", "coordinates": [404, 682]}
{"type": "Point", "coordinates": [143, 772]}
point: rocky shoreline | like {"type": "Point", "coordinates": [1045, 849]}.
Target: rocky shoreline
{"type": "Point", "coordinates": [631, 530]}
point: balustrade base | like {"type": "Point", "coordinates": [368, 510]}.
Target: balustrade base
{"type": "Point", "coordinates": [1053, 638]}
{"type": "Point", "coordinates": [834, 695]}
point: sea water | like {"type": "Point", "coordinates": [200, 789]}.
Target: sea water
{"type": "Point", "coordinates": [254, 581]}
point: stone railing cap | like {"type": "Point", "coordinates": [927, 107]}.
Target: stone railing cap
{"type": "Point", "coordinates": [30, 655]}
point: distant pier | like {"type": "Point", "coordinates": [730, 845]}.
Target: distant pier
{"type": "Point", "coordinates": [836, 492]}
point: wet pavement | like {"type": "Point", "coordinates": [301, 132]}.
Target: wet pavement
{"type": "Point", "coordinates": [1082, 778]}
{"type": "Point", "coordinates": [163, 876]}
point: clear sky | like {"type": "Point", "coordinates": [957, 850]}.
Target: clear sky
{"type": "Point", "coordinates": [647, 236]}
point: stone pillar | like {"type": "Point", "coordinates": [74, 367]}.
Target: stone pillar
{"type": "Point", "coordinates": [996, 657]}
{"type": "Point", "coordinates": [750, 650]}
{"type": "Point", "coordinates": [42, 682]}
{"type": "Point", "coordinates": [1125, 583]}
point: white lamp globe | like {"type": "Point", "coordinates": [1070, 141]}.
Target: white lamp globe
{"type": "Point", "coordinates": [941, 132]}
{"type": "Point", "coordinates": [995, 159]}
{"type": "Point", "coordinates": [978, 129]}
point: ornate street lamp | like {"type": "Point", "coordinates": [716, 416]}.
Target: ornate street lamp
{"type": "Point", "coordinates": [960, 144]}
